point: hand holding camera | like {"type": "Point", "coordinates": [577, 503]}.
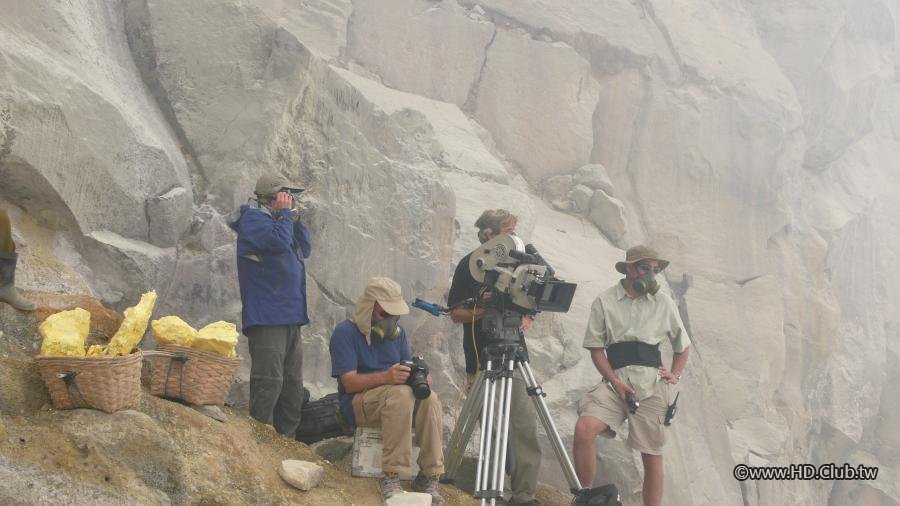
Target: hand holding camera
{"type": "Point", "coordinates": [418, 377]}
{"type": "Point", "coordinates": [398, 374]}
{"type": "Point", "coordinates": [282, 200]}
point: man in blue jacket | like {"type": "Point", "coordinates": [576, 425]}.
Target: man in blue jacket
{"type": "Point", "coordinates": [271, 245]}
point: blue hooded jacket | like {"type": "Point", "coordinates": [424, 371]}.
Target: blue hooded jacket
{"type": "Point", "coordinates": [271, 274]}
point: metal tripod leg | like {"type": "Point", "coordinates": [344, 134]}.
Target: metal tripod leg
{"type": "Point", "coordinates": [503, 427]}
{"type": "Point", "coordinates": [537, 396]}
{"type": "Point", "coordinates": [492, 473]}
{"type": "Point", "coordinates": [494, 388]}
{"type": "Point", "coordinates": [465, 424]}
{"type": "Point", "coordinates": [484, 449]}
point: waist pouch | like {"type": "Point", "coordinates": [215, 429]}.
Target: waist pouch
{"type": "Point", "coordinates": [633, 353]}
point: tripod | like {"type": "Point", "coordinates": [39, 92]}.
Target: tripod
{"type": "Point", "coordinates": [493, 389]}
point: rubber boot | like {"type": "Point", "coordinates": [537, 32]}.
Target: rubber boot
{"type": "Point", "coordinates": [8, 292]}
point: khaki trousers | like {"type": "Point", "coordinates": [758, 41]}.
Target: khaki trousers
{"type": "Point", "coordinates": [394, 410]}
{"type": "Point", "coordinates": [6, 243]}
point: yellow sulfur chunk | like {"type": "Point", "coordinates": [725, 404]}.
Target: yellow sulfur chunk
{"type": "Point", "coordinates": [218, 337]}
{"type": "Point", "coordinates": [96, 350]}
{"type": "Point", "coordinates": [133, 326]}
{"type": "Point", "coordinates": [173, 330]}
{"type": "Point", "coordinates": [64, 333]}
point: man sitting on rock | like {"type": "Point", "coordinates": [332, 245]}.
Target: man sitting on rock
{"type": "Point", "coordinates": [8, 259]}
{"type": "Point", "coordinates": [627, 324]}
{"type": "Point", "coordinates": [365, 358]}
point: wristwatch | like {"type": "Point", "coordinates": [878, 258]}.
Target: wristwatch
{"type": "Point", "coordinates": [678, 376]}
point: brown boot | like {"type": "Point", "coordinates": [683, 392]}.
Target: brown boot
{"type": "Point", "coordinates": [8, 292]}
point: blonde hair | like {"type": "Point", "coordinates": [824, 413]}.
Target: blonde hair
{"type": "Point", "coordinates": [494, 220]}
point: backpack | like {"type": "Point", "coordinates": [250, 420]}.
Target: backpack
{"type": "Point", "coordinates": [321, 419]}
{"type": "Point", "coordinates": [604, 495]}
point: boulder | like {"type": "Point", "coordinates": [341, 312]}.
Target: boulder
{"type": "Point", "coordinates": [581, 195]}
{"type": "Point", "coordinates": [608, 214]}
{"type": "Point", "coordinates": [333, 449]}
{"type": "Point", "coordinates": [301, 474]}
{"type": "Point", "coordinates": [594, 176]}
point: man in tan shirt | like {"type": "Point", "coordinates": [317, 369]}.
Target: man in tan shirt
{"type": "Point", "coordinates": [627, 324]}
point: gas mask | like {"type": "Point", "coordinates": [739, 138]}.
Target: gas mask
{"type": "Point", "coordinates": [386, 328]}
{"type": "Point", "coordinates": [646, 283]}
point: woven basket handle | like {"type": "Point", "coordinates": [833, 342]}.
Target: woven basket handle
{"type": "Point", "coordinates": [157, 353]}
{"type": "Point", "coordinates": [68, 377]}
{"type": "Point", "coordinates": [182, 358]}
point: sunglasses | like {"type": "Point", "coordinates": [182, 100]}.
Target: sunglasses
{"type": "Point", "coordinates": [645, 268]}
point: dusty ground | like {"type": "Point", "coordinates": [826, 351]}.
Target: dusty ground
{"type": "Point", "coordinates": [161, 453]}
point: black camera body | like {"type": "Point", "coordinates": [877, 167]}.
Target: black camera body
{"type": "Point", "coordinates": [418, 377]}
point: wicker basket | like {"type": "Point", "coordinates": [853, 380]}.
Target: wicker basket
{"type": "Point", "coordinates": [109, 384]}
{"type": "Point", "coordinates": [194, 376]}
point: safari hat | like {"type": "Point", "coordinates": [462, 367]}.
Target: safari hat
{"type": "Point", "coordinates": [386, 292]}
{"type": "Point", "coordinates": [638, 253]}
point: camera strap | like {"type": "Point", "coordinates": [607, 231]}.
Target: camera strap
{"type": "Point", "coordinates": [633, 353]}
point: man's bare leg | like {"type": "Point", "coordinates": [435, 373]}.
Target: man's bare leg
{"type": "Point", "coordinates": [653, 479]}
{"type": "Point", "coordinates": [586, 429]}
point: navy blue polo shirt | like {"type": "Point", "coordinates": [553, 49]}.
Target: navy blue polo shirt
{"type": "Point", "coordinates": [350, 352]}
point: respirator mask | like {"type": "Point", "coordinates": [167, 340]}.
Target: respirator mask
{"type": "Point", "coordinates": [386, 328]}
{"type": "Point", "coordinates": [646, 282]}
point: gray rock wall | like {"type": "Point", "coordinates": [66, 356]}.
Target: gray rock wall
{"type": "Point", "coordinates": [755, 143]}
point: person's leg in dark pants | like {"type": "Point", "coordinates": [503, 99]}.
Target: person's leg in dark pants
{"type": "Point", "coordinates": [8, 260]}
{"type": "Point", "coordinates": [267, 351]}
{"type": "Point", "coordinates": [286, 417]}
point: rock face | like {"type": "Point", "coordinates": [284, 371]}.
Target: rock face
{"type": "Point", "coordinates": [754, 143]}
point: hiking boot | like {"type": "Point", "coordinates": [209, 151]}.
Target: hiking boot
{"type": "Point", "coordinates": [8, 292]}
{"type": "Point", "coordinates": [428, 485]}
{"type": "Point", "coordinates": [390, 486]}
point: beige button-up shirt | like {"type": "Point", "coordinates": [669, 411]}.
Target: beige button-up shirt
{"type": "Point", "coordinates": [616, 317]}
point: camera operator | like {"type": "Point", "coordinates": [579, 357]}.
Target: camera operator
{"type": "Point", "coordinates": [366, 356]}
{"type": "Point", "coordinates": [627, 324]}
{"type": "Point", "coordinates": [271, 245]}
{"type": "Point", "coordinates": [524, 449]}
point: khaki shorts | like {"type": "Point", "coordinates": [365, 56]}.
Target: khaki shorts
{"type": "Point", "coordinates": [646, 432]}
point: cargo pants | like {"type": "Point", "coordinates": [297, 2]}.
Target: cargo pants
{"type": "Point", "coordinates": [276, 376]}
{"type": "Point", "coordinates": [394, 410]}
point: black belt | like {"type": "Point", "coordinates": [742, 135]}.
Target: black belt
{"type": "Point", "coordinates": [633, 353]}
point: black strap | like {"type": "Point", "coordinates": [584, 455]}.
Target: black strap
{"type": "Point", "coordinates": [633, 353]}
{"type": "Point", "coordinates": [180, 358]}
{"type": "Point", "coordinates": [68, 378]}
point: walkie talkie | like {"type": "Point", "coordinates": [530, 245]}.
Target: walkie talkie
{"type": "Point", "coordinates": [633, 404]}
{"type": "Point", "coordinates": [670, 412]}
{"type": "Point", "coordinates": [631, 400]}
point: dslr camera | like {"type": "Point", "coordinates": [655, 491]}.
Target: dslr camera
{"type": "Point", "coordinates": [418, 377]}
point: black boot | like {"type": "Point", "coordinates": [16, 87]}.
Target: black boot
{"type": "Point", "coordinates": [8, 292]}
